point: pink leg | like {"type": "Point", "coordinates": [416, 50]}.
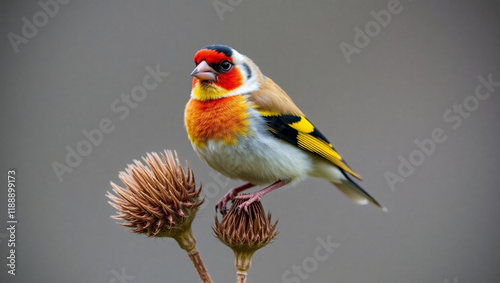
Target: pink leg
{"type": "Point", "coordinates": [230, 195]}
{"type": "Point", "coordinates": [259, 194]}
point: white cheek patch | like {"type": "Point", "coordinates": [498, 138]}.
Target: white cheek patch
{"type": "Point", "coordinates": [238, 58]}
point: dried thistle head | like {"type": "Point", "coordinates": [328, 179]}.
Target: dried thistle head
{"type": "Point", "coordinates": [245, 233]}
{"type": "Point", "coordinates": [161, 200]}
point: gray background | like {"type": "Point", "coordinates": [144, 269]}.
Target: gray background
{"type": "Point", "coordinates": [442, 223]}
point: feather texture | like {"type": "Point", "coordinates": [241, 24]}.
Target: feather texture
{"type": "Point", "coordinates": [273, 99]}
{"type": "Point", "coordinates": [298, 131]}
{"type": "Point", "coordinates": [223, 119]}
{"type": "Point", "coordinates": [287, 122]}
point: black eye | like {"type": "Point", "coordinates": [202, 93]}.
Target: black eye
{"type": "Point", "coordinates": [226, 66]}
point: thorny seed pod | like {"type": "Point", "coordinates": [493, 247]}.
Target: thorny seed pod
{"type": "Point", "coordinates": [245, 233]}
{"type": "Point", "coordinates": [161, 200]}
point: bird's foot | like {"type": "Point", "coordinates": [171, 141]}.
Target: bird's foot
{"type": "Point", "coordinates": [250, 198]}
{"type": "Point", "coordinates": [221, 205]}
{"type": "Point", "coordinates": [229, 196]}
{"type": "Point", "coordinates": [253, 197]}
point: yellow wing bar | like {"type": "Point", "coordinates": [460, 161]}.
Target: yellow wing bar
{"type": "Point", "coordinates": [300, 132]}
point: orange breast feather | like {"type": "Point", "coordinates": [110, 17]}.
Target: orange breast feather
{"type": "Point", "coordinates": [221, 119]}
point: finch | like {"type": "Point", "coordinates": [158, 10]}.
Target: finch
{"type": "Point", "coordinates": [246, 127]}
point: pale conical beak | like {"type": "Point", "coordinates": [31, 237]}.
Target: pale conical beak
{"type": "Point", "coordinates": [204, 72]}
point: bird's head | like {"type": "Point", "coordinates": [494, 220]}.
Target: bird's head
{"type": "Point", "coordinates": [222, 71]}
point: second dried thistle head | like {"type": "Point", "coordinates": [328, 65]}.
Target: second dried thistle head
{"type": "Point", "coordinates": [245, 232]}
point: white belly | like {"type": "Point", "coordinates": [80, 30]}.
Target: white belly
{"type": "Point", "coordinates": [259, 158]}
{"type": "Point", "coordinates": [257, 161]}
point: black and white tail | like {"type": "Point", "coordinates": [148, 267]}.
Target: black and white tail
{"type": "Point", "coordinates": [355, 192]}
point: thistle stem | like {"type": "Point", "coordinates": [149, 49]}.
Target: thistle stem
{"type": "Point", "coordinates": [241, 277]}
{"type": "Point", "coordinates": [200, 267]}
{"type": "Point", "coordinates": [187, 242]}
{"type": "Point", "coordinates": [243, 261]}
